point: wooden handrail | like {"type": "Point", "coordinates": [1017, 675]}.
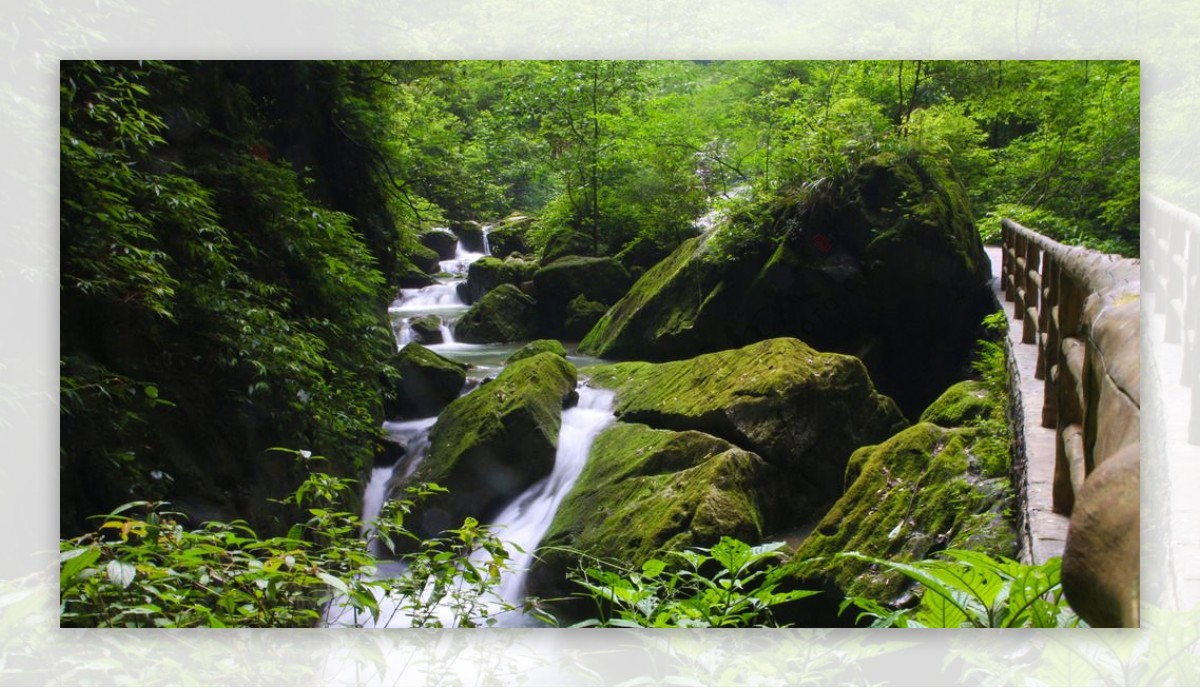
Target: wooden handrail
{"type": "Point", "coordinates": [1067, 299]}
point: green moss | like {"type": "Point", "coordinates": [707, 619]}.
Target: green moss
{"type": "Point", "coordinates": [490, 445]}
{"type": "Point", "coordinates": [425, 258]}
{"type": "Point", "coordinates": [536, 347]}
{"type": "Point", "coordinates": [962, 404]}
{"type": "Point", "coordinates": [426, 382]}
{"type": "Point", "coordinates": [505, 314]}
{"type": "Point", "coordinates": [488, 272]}
{"type": "Point", "coordinates": [913, 494]}
{"type": "Point", "coordinates": [794, 406]}
{"type": "Point", "coordinates": [582, 316]}
{"type": "Point", "coordinates": [645, 491]}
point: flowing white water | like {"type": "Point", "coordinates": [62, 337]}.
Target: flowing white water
{"type": "Point", "coordinates": [525, 521]}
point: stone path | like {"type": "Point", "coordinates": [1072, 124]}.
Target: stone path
{"type": "Point", "coordinates": [1043, 532]}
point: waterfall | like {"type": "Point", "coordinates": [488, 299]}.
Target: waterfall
{"type": "Point", "coordinates": [526, 520]}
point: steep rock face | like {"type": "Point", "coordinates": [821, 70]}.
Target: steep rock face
{"type": "Point", "coordinates": [504, 314]}
{"type": "Point", "coordinates": [887, 266]}
{"type": "Point", "coordinates": [427, 382]}
{"type": "Point", "coordinates": [646, 490]}
{"type": "Point", "coordinates": [490, 445]}
{"type": "Point", "coordinates": [801, 410]}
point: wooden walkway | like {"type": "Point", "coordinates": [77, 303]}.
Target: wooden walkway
{"type": "Point", "coordinates": [1042, 533]}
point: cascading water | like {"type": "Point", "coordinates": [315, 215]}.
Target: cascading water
{"type": "Point", "coordinates": [526, 519]}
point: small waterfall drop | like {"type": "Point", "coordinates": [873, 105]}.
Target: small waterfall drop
{"type": "Point", "coordinates": [526, 520]}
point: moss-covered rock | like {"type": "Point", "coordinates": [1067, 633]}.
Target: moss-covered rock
{"type": "Point", "coordinates": [409, 276]}
{"type": "Point", "coordinates": [426, 259]}
{"type": "Point", "coordinates": [440, 240]}
{"type": "Point", "coordinates": [645, 490]}
{"type": "Point", "coordinates": [801, 410]}
{"type": "Point", "coordinates": [960, 405]}
{"type": "Point", "coordinates": [488, 272]}
{"type": "Point", "coordinates": [642, 253]}
{"type": "Point", "coordinates": [887, 266]}
{"type": "Point", "coordinates": [470, 235]}
{"type": "Point", "coordinates": [490, 445]}
{"type": "Point", "coordinates": [426, 383]}
{"type": "Point", "coordinates": [917, 492]}
{"type": "Point", "coordinates": [504, 314]}
{"type": "Point", "coordinates": [582, 316]}
{"type": "Point", "coordinates": [508, 236]}
{"type": "Point", "coordinates": [536, 347]}
{"type": "Point", "coordinates": [566, 242]}
{"type": "Point", "coordinates": [427, 329]}
{"type": "Point", "coordinates": [599, 279]}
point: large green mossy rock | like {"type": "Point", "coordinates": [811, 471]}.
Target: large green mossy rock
{"type": "Point", "coordinates": [504, 314]}
{"type": "Point", "coordinates": [536, 347]}
{"type": "Point", "coordinates": [426, 382]}
{"type": "Point", "coordinates": [645, 491]}
{"type": "Point", "coordinates": [426, 259]}
{"type": "Point", "coordinates": [598, 279]}
{"type": "Point", "coordinates": [508, 235]}
{"type": "Point", "coordinates": [470, 235]}
{"type": "Point", "coordinates": [582, 315]}
{"type": "Point", "coordinates": [487, 273]}
{"type": "Point", "coordinates": [409, 276]}
{"type": "Point", "coordinates": [427, 329]}
{"type": "Point", "coordinates": [489, 446]}
{"type": "Point", "coordinates": [918, 492]}
{"type": "Point", "coordinates": [801, 410]}
{"type": "Point", "coordinates": [887, 266]}
{"type": "Point", "coordinates": [440, 240]}
{"type": "Point", "coordinates": [959, 405]}
{"type": "Point", "coordinates": [566, 242]}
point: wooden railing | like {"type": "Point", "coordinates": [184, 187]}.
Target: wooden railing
{"type": "Point", "coordinates": [1081, 309]}
{"type": "Point", "coordinates": [1173, 257]}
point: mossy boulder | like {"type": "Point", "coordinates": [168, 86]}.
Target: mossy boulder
{"type": "Point", "coordinates": [642, 253]}
{"type": "Point", "coordinates": [599, 279]}
{"type": "Point", "coordinates": [918, 492]}
{"type": "Point", "coordinates": [887, 266]}
{"type": "Point", "coordinates": [582, 316]}
{"type": "Point", "coordinates": [488, 446]}
{"type": "Point", "coordinates": [504, 314]}
{"type": "Point", "coordinates": [469, 234]}
{"type": "Point", "coordinates": [488, 272]}
{"type": "Point", "coordinates": [536, 347]}
{"type": "Point", "coordinates": [409, 276]}
{"type": "Point", "coordinates": [645, 491]}
{"type": "Point", "coordinates": [440, 240]}
{"type": "Point", "coordinates": [425, 259]}
{"type": "Point", "coordinates": [566, 242]}
{"type": "Point", "coordinates": [508, 236]}
{"type": "Point", "coordinates": [427, 382]}
{"type": "Point", "coordinates": [801, 410]}
{"type": "Point", "coordinates": [960, 405]}
{"type": "Point", "coordinates": [427, 329]}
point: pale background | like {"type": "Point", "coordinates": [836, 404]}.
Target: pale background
{"type": "Point", "coordinates": [34, 35]}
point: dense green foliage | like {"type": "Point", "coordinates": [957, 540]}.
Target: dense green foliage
{"type": "Point", "coordinates": [973, 590]}
{"type": "Point", "coordinates": [142, 568]}
{"type": "Point", "coordinates": [730, 585]}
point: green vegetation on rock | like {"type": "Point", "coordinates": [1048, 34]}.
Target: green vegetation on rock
{"type": "Point", "coordinates": [536, 347]}
{"type": "Point", "coordinates": [425, 381]}
{"type": "Point", "coordinates": [645, 491]}
{"type": "Point", "coordinates": [799, 409]}
{"type": "Point", "coordinates": [504, 314]}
